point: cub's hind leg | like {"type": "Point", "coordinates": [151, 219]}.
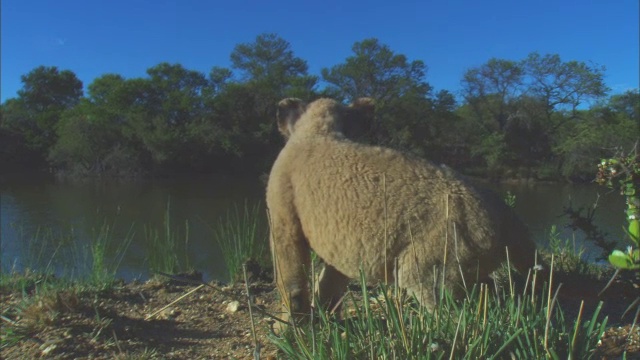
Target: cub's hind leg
{"type": "Point", "coordinates": [291, 260]}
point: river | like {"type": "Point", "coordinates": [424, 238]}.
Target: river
{"type": "Point", "coordinates": [48, 224]}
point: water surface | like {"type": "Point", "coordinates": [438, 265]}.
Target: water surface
{"type": "Point", "coordinates": [61, 208]}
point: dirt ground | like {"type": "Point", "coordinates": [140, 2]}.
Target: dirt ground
{"type": "Point", "coordinates": [206, 324]}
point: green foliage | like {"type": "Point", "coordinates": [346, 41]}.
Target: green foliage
{"type": "Point", "coordinates": [30, 119]}
{"type": "Point", "coordinates": [600, 129]}
{"type": "Point", "coordinates": [407, 117]}
{"type": "Point", "coordinates": [174, 98]}
{"type": "Point", "coordinates": [510, 199]}
{"type": "Point", "coordinates": [523, 105]}
{"type": "Point", "coordinates": [15, 151]}
{"type": "Point", "coordinates": [87, 139]}
{"type": "Point", "coordinates": [623, 172]}
{"type": "Point", "coordinates": [374, 70]}
{"type": "Point", "coordinates": [516, 116]}
{"type": "Point", "coordinates": [494, 151]}
{"type": "Point", "coordinates": [270, 60]}
{"type": "Point", "coordinates": [569, 256]}
{"type": "Point", "coordinates": [563, 84]}
{"type": "Point", "coordinates": [46, 93]}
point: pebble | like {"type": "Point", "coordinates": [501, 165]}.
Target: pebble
{"type": "Point", "coordinates": [233, 306]}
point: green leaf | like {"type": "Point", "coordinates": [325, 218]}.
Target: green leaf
{"type": "Point", "coordinates": [630, 190]}
{"type": "Point", "coordinates": [634, 231]}
{"type": "Point", "coordinates": [620, 260]}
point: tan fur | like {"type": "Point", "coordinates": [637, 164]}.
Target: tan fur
{"type": "Point", "coordinates": [336, 197]}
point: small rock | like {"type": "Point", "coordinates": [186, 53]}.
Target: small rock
{"type": "Point", "coordinates": [233, 306]}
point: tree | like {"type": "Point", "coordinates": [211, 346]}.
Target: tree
{"type": "Point", "coordinates": [561, 84]}
{"type": "Point", "coordinates": [219, 78]}
{"type": "Point", "coordinates": [601, 132]}
{"type": "Point", "coordinates": [376, 71]}
{"type": "Point", "coordinates": [46, 92]}
{"type": "Point", "coordinates": [244, 110]}
{"type": "Point", "coordinates": [172, 99]}
{"type": "Point", "coordinates": [46, 87]}
{"type": "Point", "coordinates": [104, 90]}
{"type": "Point", "coordinates": [627, 103]}
{"type": "Point", "coordinates": [86, 137]}
{"type": "Point", "coordinates": [523, 103]}
{"type": "Point", "coordinates": [14, 125]}
{"type": "Point", "coordinates": [402, 96]}
{"type": "Point", "coordinates": [492, 90]}
{"type": "Point", "coordinates": [448, 133]}
{"type": "Point", "coordinates": [270, 61]}
{"type": "Point", "coordinates": [99, 136]}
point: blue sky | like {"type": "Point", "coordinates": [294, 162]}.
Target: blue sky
{"type": "Point", "coordinates": [92, 38]}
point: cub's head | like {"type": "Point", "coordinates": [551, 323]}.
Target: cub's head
{"type": "Point", "coordinates": [324, 117]}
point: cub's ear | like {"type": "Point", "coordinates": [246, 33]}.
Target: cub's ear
{"type": "Point", "coordinates": [289, 111]}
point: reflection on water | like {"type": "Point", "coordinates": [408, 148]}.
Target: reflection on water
{"type": "Point", "coordinates": [83, 209]}
{"type": "Point", "coordinates": [542, 205]}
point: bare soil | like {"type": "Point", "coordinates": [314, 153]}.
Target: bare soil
{"type": "Point", "coordinates": [117, 324]}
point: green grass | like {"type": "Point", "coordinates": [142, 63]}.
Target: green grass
{"type": "Point", "coordinates": [103, 272]}
{"type": "Point", "coordinates": [44, 299]}
{"type": "Point", "coordinates": [242, 236]}
{"type": "Point", "coordinates": [44, 249]}
{"type": "Point", "coordinates": [97, 254]}
{"type": "Point", "coordinates": [94, 257]}
{"type": "Point", "coordinates": [164, 245]}
{"type": "Point", "coordinates": [56, 275]}
{"type": "Point", "coordinates": [386, 324]}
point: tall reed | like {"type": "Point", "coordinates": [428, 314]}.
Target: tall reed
{"type": "Point", "coordinates": [241, 235]}
{"type": "Point", "coordinates": [107, 252]}
{"type": "Point", "coordinates": [76, 255]}
{"type": "Point", "coordinates": [164, 245]}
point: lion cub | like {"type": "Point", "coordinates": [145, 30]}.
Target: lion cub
{"type": "Point", "coordinates": [388, 214]}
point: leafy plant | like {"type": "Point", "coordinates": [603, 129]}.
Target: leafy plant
{"type": "Point", "coordinates": [510, 199]}
{"type": "Point", "coordinates": [623, 172]}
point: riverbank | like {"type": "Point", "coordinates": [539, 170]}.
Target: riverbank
{"type": "Point", "coordinates": [139, 320]}
{"type": "Point", "coordinates": [127, 321]}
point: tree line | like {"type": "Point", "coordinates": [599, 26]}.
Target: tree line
{"type": "Point", "coordinates": [538, 117]}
